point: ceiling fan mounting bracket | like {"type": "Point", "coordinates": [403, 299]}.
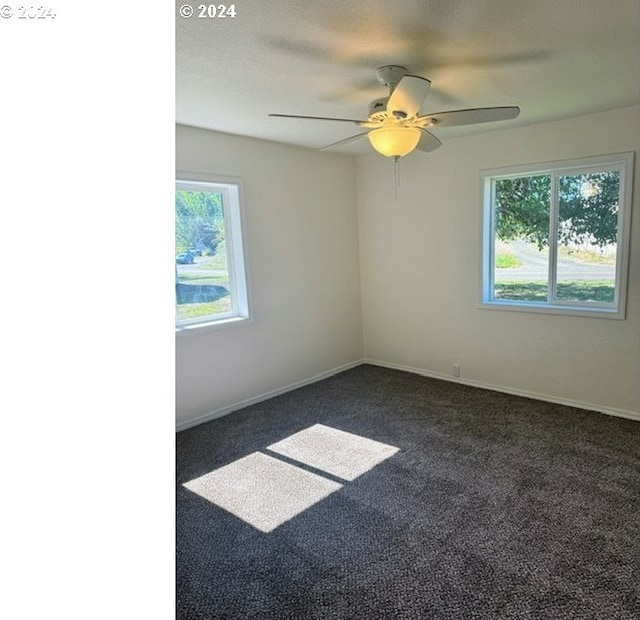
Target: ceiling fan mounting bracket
{"type": "Point", "coordinates": [390, 75]}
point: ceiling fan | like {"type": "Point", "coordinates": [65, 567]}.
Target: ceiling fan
{"type": "Point", "coordinates": [395, 126]}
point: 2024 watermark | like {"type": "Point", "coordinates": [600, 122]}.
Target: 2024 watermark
{"type": "Point", "coordinates": [208, 11]}
{"type": "Point", "coordinates": [30, 13]}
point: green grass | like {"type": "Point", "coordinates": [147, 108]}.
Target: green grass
{"type": "Point", "coordinates": [218, 260]}
{"type": "Point", "coordinates": [188, 278]}
{"type": "Point", "coordinates": [596, 290]}
{"type": "Point", "coordinates": [209, 308]}
{"type": "Point", "coordinates": [194, 311]}
{"type": "Point", "coordinates": [506, 260]}
{"type": "Point", "coordinates": [588, 256]}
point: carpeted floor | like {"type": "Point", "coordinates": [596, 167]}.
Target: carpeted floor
{"type": "Point", "coordinates": [382, 494]}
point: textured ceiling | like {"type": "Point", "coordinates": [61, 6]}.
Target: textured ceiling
{"type": "Point", "coordinates": [553, 58]}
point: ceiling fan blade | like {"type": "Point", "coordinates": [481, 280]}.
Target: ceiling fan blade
{"type": "Point", "coordinates": [345, 141]}
{"type": "Point", "coordinates": [319, 118]}
{"type": "Point", "coordinates": [408, 96]}
{"type": "Point", "coordinates": [428, 142]}
{"type": "Point", "coordinates": [474, 115]}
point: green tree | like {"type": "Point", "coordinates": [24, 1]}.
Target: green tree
{"type": "Point", "coordinates": [587, 208]}
{"type": "Point", "coordinates": [199, 220]}
{"type": "Point", "coordinates": [522, 209]}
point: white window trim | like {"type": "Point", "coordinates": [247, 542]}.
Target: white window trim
{"type": "Point", "coordinates": [622, 162]}
{"type": "Point", "coordinates": [232, 204]}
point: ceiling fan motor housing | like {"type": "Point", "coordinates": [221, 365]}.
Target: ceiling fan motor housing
{"type": "Point", "coordinates": [378, 109]}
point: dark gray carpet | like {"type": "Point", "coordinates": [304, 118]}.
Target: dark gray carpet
{"type": "Point", "coordinates": [495, 507]}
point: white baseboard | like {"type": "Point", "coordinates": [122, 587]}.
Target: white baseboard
{"type": "Point", "coordinates": [621, 413]}
{"type": "Point", "coordinates": [218, 413]}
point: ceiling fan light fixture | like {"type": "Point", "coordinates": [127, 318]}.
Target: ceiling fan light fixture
{"type": "Point", "coordinates": [394, 141]}
{"type": "Point", "coordinates": [396, 126]}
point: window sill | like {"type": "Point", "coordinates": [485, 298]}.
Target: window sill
{"type": "Point", "coordinates": [567, 310]}
{"type": "Point", "coordinates": [199, 328]}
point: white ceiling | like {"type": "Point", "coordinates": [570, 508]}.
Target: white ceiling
{"type": "Point", "coordinates": [553, 58]}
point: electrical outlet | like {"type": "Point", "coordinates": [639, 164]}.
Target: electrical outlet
{"type": "Point", "coordinates": [456, 370]}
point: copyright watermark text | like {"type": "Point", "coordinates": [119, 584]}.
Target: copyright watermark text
{"type": "Point", "coordinates": [208, 11]}
{"type": "Point", "coordinates": [28, 13]}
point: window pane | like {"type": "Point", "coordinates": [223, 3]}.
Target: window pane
{"type": "Point", "coordinates": [587, 236]}
{"type": "Point", "coordinates": [571, 217]}
{"type": "Point", "coordinates": [521, 252]}
{"type": "Point", "coordinates": [202, 273]}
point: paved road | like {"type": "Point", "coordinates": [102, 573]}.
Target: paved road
{"type": "Point", "coordinates": [195, 268]}
{"type": "Point", "coordinates": [535, 267]}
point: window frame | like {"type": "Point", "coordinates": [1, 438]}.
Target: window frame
{"type": "Point", "coordinates": [232, 209]}
{"type": "Point", "coordinates": [620, 162]}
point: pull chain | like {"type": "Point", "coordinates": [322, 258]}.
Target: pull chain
{"type": "Point", "coordinates": [396, 177]}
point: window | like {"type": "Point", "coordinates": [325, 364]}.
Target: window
{"type": "Point", "coordinates": [555, 236]}
{"type": "Point", "coordinates": [210, 278]}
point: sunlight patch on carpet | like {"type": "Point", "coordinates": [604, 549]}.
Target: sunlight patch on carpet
{"type": "Point", "coordinates": [336, 452]}
{"type": "Point", "coordinates": [262, 491]}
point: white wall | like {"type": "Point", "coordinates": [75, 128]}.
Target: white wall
{"type": "Point", "coordinates": [416, 261]}
{"type": "Point", "coordinates": [420, 270]}
{"type": "Point", "coordinates": [300, 236]}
